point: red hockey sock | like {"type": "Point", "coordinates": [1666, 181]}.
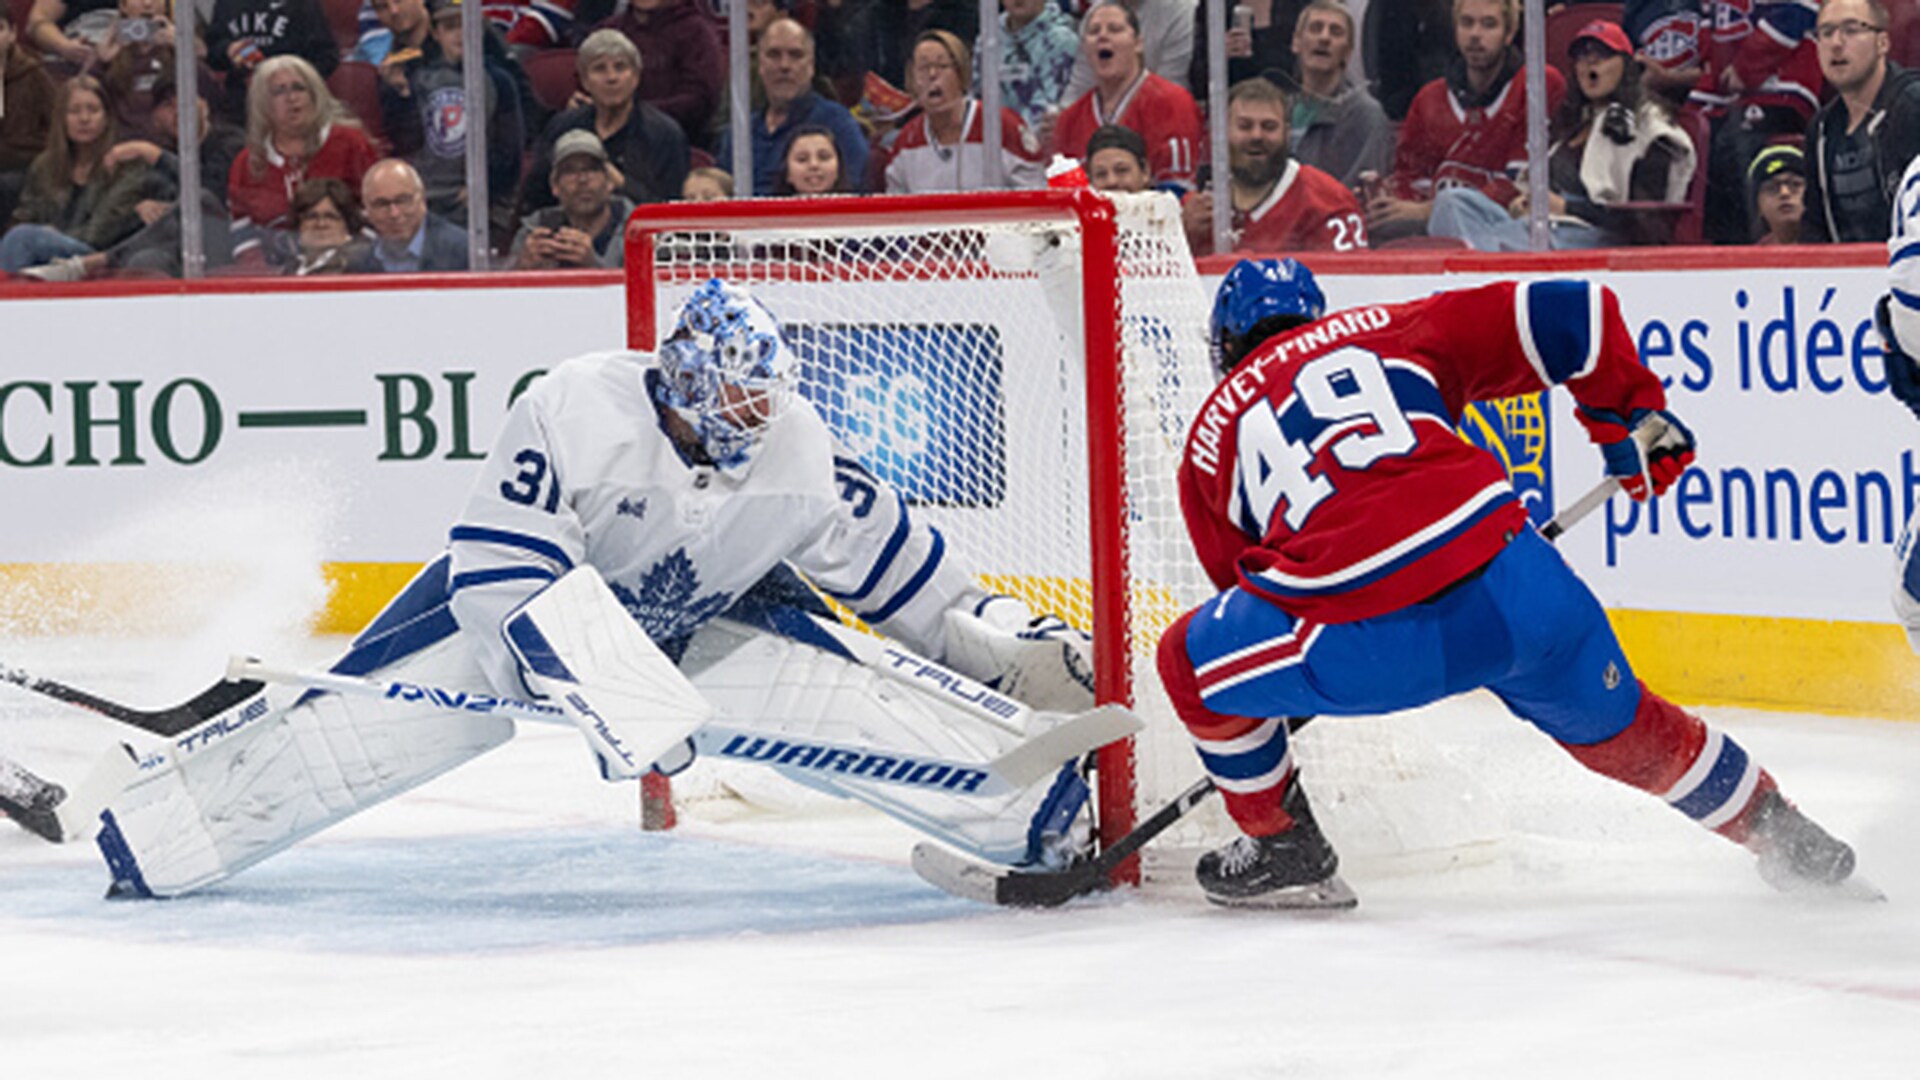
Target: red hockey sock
{"type": "Point", "coordinates": [1248, 757]}
{"type": "Point", "coordinates": [1698, 770]}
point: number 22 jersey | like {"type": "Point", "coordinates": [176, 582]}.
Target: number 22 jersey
{"type": "Point", "coordinates": [1326, 473]}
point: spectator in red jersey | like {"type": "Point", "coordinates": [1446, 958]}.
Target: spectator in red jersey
{"type": "Point", "coordinates": [296, 130]}
{"type": "Point", "coordinates": [1467, 128]}
{"type": "Point", "coordinates": [812, 165]}
{"type": "Point", "coordinates": [942, 149]}
{"type": "Point", "coordinates": [1779, 181]}
{"type": "Point", "coordinates": [1126, 93]}
{"type": "Point", "coordinates": [1117, 160]}
{"type": "Point", "coordinates": [1279, 205]}
{"type": "Point", "coordinates": [1612, 143]}
{"type": "Point", "coordinates": [682, 68]}
{"type": "Point", "coordinates": [76, 201]}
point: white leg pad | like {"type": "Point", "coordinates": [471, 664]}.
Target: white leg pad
{"type": "Point", "coordinates": [765, 682]}
{"type": "Point", "coordinates": [230, 802]}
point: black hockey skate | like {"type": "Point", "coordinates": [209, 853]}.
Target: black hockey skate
{"type": "Point", "coordinates": [1293, 870]}
{"type": "Point", "coordinates": [1796, 855]}
{"type": "Point", "coordinates": [30, 801]}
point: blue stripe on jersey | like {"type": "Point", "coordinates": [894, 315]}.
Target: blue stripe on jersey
{"type": "Point", "coordinates": [499, 573]}
{"type": "Point", "coordinates": [1269, 584]}
{"type": "Point", "coordinates": [1905, 299]}
{"type": "Point", "coordinates": [481, 535]}
{"type": "Point", "coordinates": [1248, 764]}
{"type": "Point", "coordinates": [410, 622]}
{"type": "Point", "coordinates": [1907, 252]}
{"type": "Point", "coordinates": [912, 588]}
{"type": "Point", "coordinates": [881, 565]}
{"type": "Point", "coordinates": [1559, 324]}
{"type": "Point", "coordinates": [535, 650]}
{"type": "Point", "coordinates": [1787, 23]}
{"type": "Point", "coordinates": [1721, 783]}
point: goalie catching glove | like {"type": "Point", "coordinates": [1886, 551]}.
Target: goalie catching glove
{"type": "Point", "coordinates": [1039, 660]}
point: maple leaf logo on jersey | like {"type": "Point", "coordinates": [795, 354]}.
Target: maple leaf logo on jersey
{"type": "Point", "coordinates": [665, 606]}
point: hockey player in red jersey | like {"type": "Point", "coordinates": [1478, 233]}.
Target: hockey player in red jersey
{"type": "Point", "coordinates": [1371, 560]}
{"type": "Point", "coordinates": [1279, 204]}
{"type": "Point", "coordinates": [1467, 128]}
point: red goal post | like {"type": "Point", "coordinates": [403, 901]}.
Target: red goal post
{"type": "Point", "coordinates": [908, 280]}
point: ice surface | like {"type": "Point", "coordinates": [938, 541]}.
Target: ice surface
{"type": "Point", "coordinates": [510, 918]}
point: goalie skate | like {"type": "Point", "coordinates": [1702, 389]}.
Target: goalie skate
{"type": "Point", "coordinates": [30, 801]}
{"type": "Point", "coordinates": [1293, 870]}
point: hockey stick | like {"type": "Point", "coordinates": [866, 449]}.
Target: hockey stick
{"type": "Point", "coordinates": [1033, 760]}
{"type": "Point", "coordinates": [990, 884]}
{"type": "Point", "coordinates": [973, 880]}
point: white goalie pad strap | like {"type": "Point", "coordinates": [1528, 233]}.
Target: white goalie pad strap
{"type": "Point", "coordinates": [242, 787]}
{"type": "Point", "coordinates": [1046, 664]}
{"type": "Point", "coordinates": [578, 646]}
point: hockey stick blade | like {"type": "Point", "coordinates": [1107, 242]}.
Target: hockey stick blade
{"type": "Point", "coordinates": [1042, 755]}
{"type": "Point", "coordinates": [31, 801]}
{"type": "Point", "coordinates": [211, 702]}
{"type": "Point", "coordinates": [971, 879]}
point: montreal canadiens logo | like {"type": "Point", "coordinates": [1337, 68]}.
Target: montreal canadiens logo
{"type": "Point", "coordinates": [446, 118]}
{"type": "Point", "coordinates": [1673, 41]}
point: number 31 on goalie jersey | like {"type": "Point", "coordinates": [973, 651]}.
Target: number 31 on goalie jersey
{"type": "Point", "coordinates": [1345, 402]}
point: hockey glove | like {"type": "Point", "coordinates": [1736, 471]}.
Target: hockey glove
{"type": "Point", "coordinates": [1903, 374]}
{"type": "Point", "coordinates": [1649, 460]}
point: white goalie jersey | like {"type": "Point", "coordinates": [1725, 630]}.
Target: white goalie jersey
{"type": "Point", "coordinates": [1903, 259]}
{"type": "Point", "coordinates": [679, 541]}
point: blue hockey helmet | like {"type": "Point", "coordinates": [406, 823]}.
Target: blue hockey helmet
{"type": "Point", "coordinates": [1255, 291]}
{"type": "Point", "coordinates": [726, 370]}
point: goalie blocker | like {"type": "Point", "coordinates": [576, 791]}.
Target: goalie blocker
{"type": "Point", "coordinates": [244, 785]}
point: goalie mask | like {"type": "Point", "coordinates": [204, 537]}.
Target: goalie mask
{"type": "Point", "coordinates": [726, 370]}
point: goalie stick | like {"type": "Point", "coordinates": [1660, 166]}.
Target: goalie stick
{"type": "Point", "coordinates": [987, 883]}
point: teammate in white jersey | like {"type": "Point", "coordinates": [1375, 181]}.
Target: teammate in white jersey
{"type": "Point", "coordinates": [1898, 314]}
{"type": "Point", "coordinates": [695, 481]}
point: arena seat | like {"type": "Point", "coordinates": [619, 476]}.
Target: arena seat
{"type": "Point", "coordinates": [343, 18]}
{"type": "Point", "coordinates": [554, 74]}
{"type": "Point", "coordinates": [357, 85]}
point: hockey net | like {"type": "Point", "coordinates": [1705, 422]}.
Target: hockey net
{"type": "Point", "coordinates": [1023, 367]}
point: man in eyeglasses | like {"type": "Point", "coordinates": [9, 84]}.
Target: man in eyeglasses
{"type": "Point", "coordinates": [1860, 141]}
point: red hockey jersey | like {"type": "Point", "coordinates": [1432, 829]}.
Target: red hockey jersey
{"type": "Point", "coordinates": [1163, 114]}
{"type": "Point", "coordinates": [1326, 475]}
{"type": "Point", "coordinates": [1444, 143]}
{"type": "Point", "coordinates": [1308, 210]}
{"type": "Point", "coordinates": [1770, 45]}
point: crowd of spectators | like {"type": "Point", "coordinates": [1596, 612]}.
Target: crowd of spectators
{"type": "Point", "coordinates": [333, 133]}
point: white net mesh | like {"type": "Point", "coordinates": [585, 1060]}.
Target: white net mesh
{"type": "Point", "coordinates": [950, 359]}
